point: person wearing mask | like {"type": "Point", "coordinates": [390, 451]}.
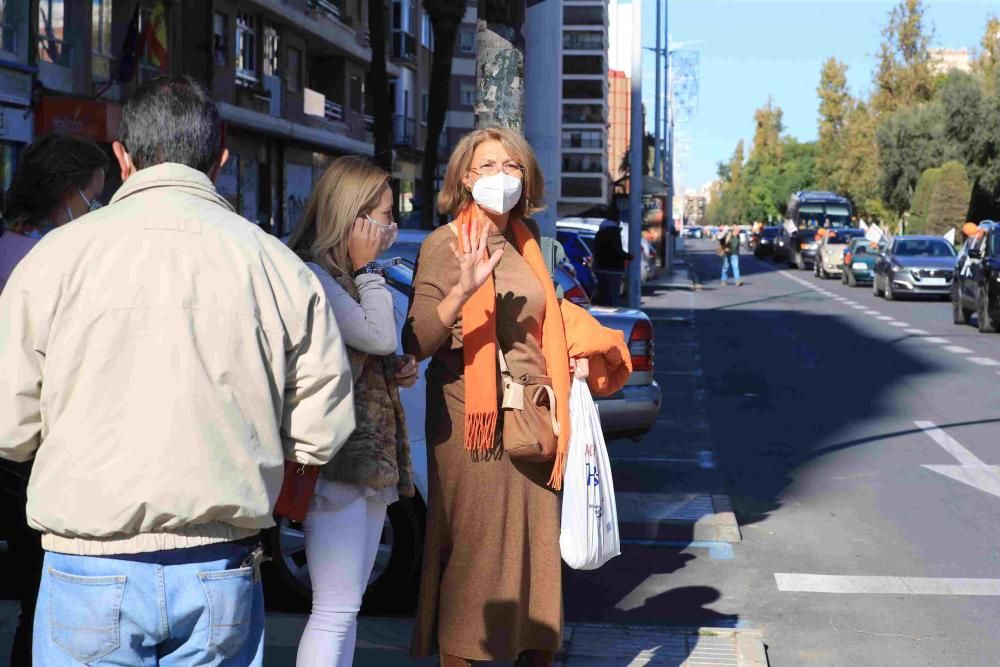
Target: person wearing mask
{"type": "Point", "coordinates": [491, 584]}
{"type": "Point", "coordinates": [347, 224]}
{"type": "Point", "coordinates": [609, 262]}
{"type": "Point", "coordinates": [59, 178]}
{"type": "Point", "coordinates": [182, 355]}
{"type": "Point", "coordinates": [729, 249]}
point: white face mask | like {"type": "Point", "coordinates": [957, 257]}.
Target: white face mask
{"type": "Point", "coordinates": [389, 232]}
{"type": "Point", "coordinates": [498, 193]}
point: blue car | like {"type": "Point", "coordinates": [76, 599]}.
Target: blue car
{"type": "Point", "coordinates": [580, 257]}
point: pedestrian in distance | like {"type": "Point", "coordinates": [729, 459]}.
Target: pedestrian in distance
{"type": "Point", "coordinates": [609, 262]}
{"type": "Point", "coordinates": [491, 585]}
{"type": "Point", "coordinates": [347, 225]}
{"type": "Point", "coordinates": [59, 179]}
{"type": "Point", "coordinates": [729, 250]}
{"type": "Point", "coordinates": [161, 360]}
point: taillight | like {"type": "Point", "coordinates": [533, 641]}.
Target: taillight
{"type": "Point", "coordinates": [576, 295]}
{"type": "Point", "coordinates": [640, 346]}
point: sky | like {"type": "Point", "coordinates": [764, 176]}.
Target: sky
{"type": "Point", "coordinates": [750, 49]}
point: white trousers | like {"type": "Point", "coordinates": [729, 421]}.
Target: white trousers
{"type": "Point", "coordinates": [341, 546]}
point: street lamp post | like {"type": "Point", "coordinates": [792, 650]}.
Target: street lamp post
{"type": "Point", "coordinates": [636, 159]}
{"type": "Point", "coordinates": [657, 163]}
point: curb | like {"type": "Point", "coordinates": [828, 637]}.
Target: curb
{"type": "Point", "coordinates": [680, 524]}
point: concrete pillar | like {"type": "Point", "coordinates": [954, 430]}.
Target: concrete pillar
{"type": "Point", "coordinates": [542, 113]}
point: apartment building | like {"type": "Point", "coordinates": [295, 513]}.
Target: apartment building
{"type": "Point", "coordinates": [290, 78]}
{"type": "Point", "coordinates": [584, 104]}
{"type": "Point", "coordinates": [619, 121]}
{"type": "Point", "coordinates": [16, 116]}
{"type": "Point", "coordinates": [461, 118]}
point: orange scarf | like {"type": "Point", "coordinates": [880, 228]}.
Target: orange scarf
{"type": "Point", "coordinates": [480, 351]}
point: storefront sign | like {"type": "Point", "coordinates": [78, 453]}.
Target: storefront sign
{"type": "Point", "coordinates": [95, 119]}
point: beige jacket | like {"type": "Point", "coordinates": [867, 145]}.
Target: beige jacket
{"type": "Point", "coordinates": [160, 359]}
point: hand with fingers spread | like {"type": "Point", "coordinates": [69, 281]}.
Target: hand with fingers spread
{"type": "Point", "coordinates": [474, 261]}
{"type": "Point", "coordinates": [364, 243]}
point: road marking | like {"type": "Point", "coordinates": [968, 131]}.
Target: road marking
{"type": "Point", "coordinates": [984, 361]}
{"type": "Point", "coordinates": [957, 349]}
{"type": "Point", "coordinates": [834, 583]}
{"type": "Point", "coordinates": [859, 307]}
{"type": "Point", "coordinates": [885, 318]}
{"type": "Point", "coordinates": [871, 312]}
{"type": "Point", "coordinates": [917, 332]}
{"type": "Point", "coordinates": [898, 324]}
{"type": "Point", "coordinates": [971, 471]}
{"type": "Point", "coordinates": [937, 341]}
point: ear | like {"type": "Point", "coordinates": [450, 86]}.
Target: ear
{"type": "Point", "coordinates": [124, 160]}
{"type": "Point", "coordinates": [217, 169]}
{"type": "Point", "coordinates": [467, 182]}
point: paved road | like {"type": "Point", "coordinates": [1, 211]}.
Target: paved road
{"type": "Point", "coordinates": [822, 405]}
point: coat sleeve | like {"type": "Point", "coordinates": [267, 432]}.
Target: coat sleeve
{"type": "Point", "coordinates": [22, 352]}
{"type": "Point", "coordinates": [610, 362]}
{"type": "Point", "coordinates": [318, 413]}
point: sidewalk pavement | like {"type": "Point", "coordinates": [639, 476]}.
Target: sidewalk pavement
{"type": "Point", "coordinates": [383, 642]}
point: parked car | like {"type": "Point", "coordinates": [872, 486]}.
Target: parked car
{"type": "Point", "coordinates": [915, 265]}
{"type": "Point", "coordinates": [830, 250]}
{"type": "Point", "coordinates": [976, 279]}
{"type": "Point", "coordinates": [587, 228]}
{"type": "Point", "coordinates": [581, 256]}
{"type": "Point", "coordinates": [859, 261]}
{"type": "Point", "coordinates": [764, 242]}
{"type": "Point", "coordinates": [692, 232]}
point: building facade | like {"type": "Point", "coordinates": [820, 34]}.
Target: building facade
{"type": "Point", "coordinates": [290, 77]}
{"type": "Point", "coordinates": [584, 105]}
{"type": "Point", "coordinates": [16, 82]}
{"type": "Point", "coordinates": [619, 122]}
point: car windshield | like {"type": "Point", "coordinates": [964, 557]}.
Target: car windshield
{"type": "Point", "coordinates": [923, 248]}
{"type": "Point", "coordinates": [770, 232]}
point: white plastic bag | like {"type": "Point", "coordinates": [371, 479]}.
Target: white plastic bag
{"type": "Point", "coordinates": [589, 534]}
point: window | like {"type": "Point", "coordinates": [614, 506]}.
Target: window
{"type": "Point", "coordinates": [220, 40]}
{"type": "Point", "coordinates": [52, 32]}
{"type": "Point", "coordinates": [582, 187]}
{"type": "Point", "coordinates": [586, 89]}
{"type": "Point", "coordinates": [293, 70]}
{"type": "Point", "coordinates": [467, 93]}
{"type": "Point", "coordinates": [584, 65]}
{"type": "Point", "coordinates": [424, 107]}
{"type": "Point", "coordinates": [583, 139]}
{"type": "Point", "coordinates": [426, 32]}
{"type": "Point", "coordinates": [577, 163]}
{"type": "Point", "coordinates": [100, 25]}
{"type": "Point", "coordinates": [271, 50]}
{"type": "Point", "coordinates": [588, 41]}
{"type": "Point", "coordinates": [467, 41]}
{"type": "Point", "coordinates": [8, 27]}
{"type": "Point", "coordinates": [583, 15]}
{"type": "Point", "coordinates": [404, 41]}
{"type": "Point", "coordinates": [246, 46]}
{"type": "Point", "coordinates": [357, 94]}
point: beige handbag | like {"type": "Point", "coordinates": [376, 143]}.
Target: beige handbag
{"type": "Point", "coordinates": [530, 429]}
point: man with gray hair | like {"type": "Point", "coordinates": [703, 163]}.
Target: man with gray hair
{"type": "Point", "coordinates": [161, 359]}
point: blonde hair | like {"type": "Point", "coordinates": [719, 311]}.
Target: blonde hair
{"type": "Point", "coordinates": [454, 196]}
{"type": "Point", "coordinates": [349, 188]}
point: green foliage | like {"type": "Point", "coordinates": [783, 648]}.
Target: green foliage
{"type": "Point", "coordinates": [835, 105]}
{"type": "Point", "coordinates": [903, 77]}
{"type": "Point", "coordinates": [917, 222]}
{"type": "Point", "coordinates": [909, 141]}
{"type": "Point", "coordinates": [949, 203]}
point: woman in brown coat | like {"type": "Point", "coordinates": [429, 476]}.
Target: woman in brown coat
{"type": "Point", "coordinates": [491, 588]}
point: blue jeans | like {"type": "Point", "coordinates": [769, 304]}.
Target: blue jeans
{"type": "Point", "coordinates": [609, 288]}
{"type": "Point", "coordinates": [200, 609]}
{"type": "Point", "coordinates": [733, 261]}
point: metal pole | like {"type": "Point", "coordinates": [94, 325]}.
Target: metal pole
{"type": "Point", "coordinates": [542, 118]}
{"type": "Point", "coordinates": [657, 162]}
{"type": "Point", "coordinates": [636, 160]}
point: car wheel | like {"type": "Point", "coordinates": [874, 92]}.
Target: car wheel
{"type": "Point", "coordinates": [395, 578]}
{"type": "Point", "coordinates": [986, 322]}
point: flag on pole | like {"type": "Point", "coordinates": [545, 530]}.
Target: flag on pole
{"type": "Point", "coordinates": [874, 234]}
{"type": "Point", "coordinates": [950, 236]}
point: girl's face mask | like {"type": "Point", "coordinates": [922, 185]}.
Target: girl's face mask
{"type": "Point", "coordinates": [389, 232]}
{"type": "Point", "coordinates": [92, 205]}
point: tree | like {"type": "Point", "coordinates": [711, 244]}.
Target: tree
{"type": "Point", "coordinates": [835, 103]}
{"type": "Point", "coordinates": [445, 17]}
{"type": "Point", "coordinates": [917, 222]}
{"type": "Point", "coordinates": [909, 141]}
{"type": "Point", "coordinates": [903, 77]}
{"type": "Point", "coordinates": [379, 81]}
{"type": "Point", "coordinates": [988, 62]}
{"type": "Point", "coordinates": [949, 203]}
{"type": "Point", "coordinates": [857, 167]}
{"type": "Point", "coordinates": [767, 135]}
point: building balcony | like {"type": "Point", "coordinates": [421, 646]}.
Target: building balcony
{"type": "Point", "coordinates": [404, 47]}
{"type": "Point", "coordinates": [585, 15]}
{"type": "Point", "coordinates": [585, 114]}
{"type": "Point", "coordinates": [404, 132]}
{"type": "Point", "coordinates": [330, 8]}
{"type": "Point", "coordinates": [584, 89]}
{"type": "Point", "coordinates": [585, 40]}
{"type": "Point", "coordinates": [584, 163]}
{"type": "Point", "coordinates": [583, 188]}
{"type": "Point", "coordinates": [330, 29]}
{"type": "Point", "coordinates": [593, 65]}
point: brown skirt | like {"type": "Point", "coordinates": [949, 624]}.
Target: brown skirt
{"type": "Point", "coordinates": [491, 585]}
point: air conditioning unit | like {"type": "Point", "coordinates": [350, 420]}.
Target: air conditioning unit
{"type": "Point", "coordinates": [272, 84]}
{"type": "Point", "coordinates": [313, 103]}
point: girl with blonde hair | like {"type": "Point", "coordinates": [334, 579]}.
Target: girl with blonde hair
{"type": "Point", "coordinates": [347, 224]}
{"type": "Point", "coordinates": [491, 586]}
